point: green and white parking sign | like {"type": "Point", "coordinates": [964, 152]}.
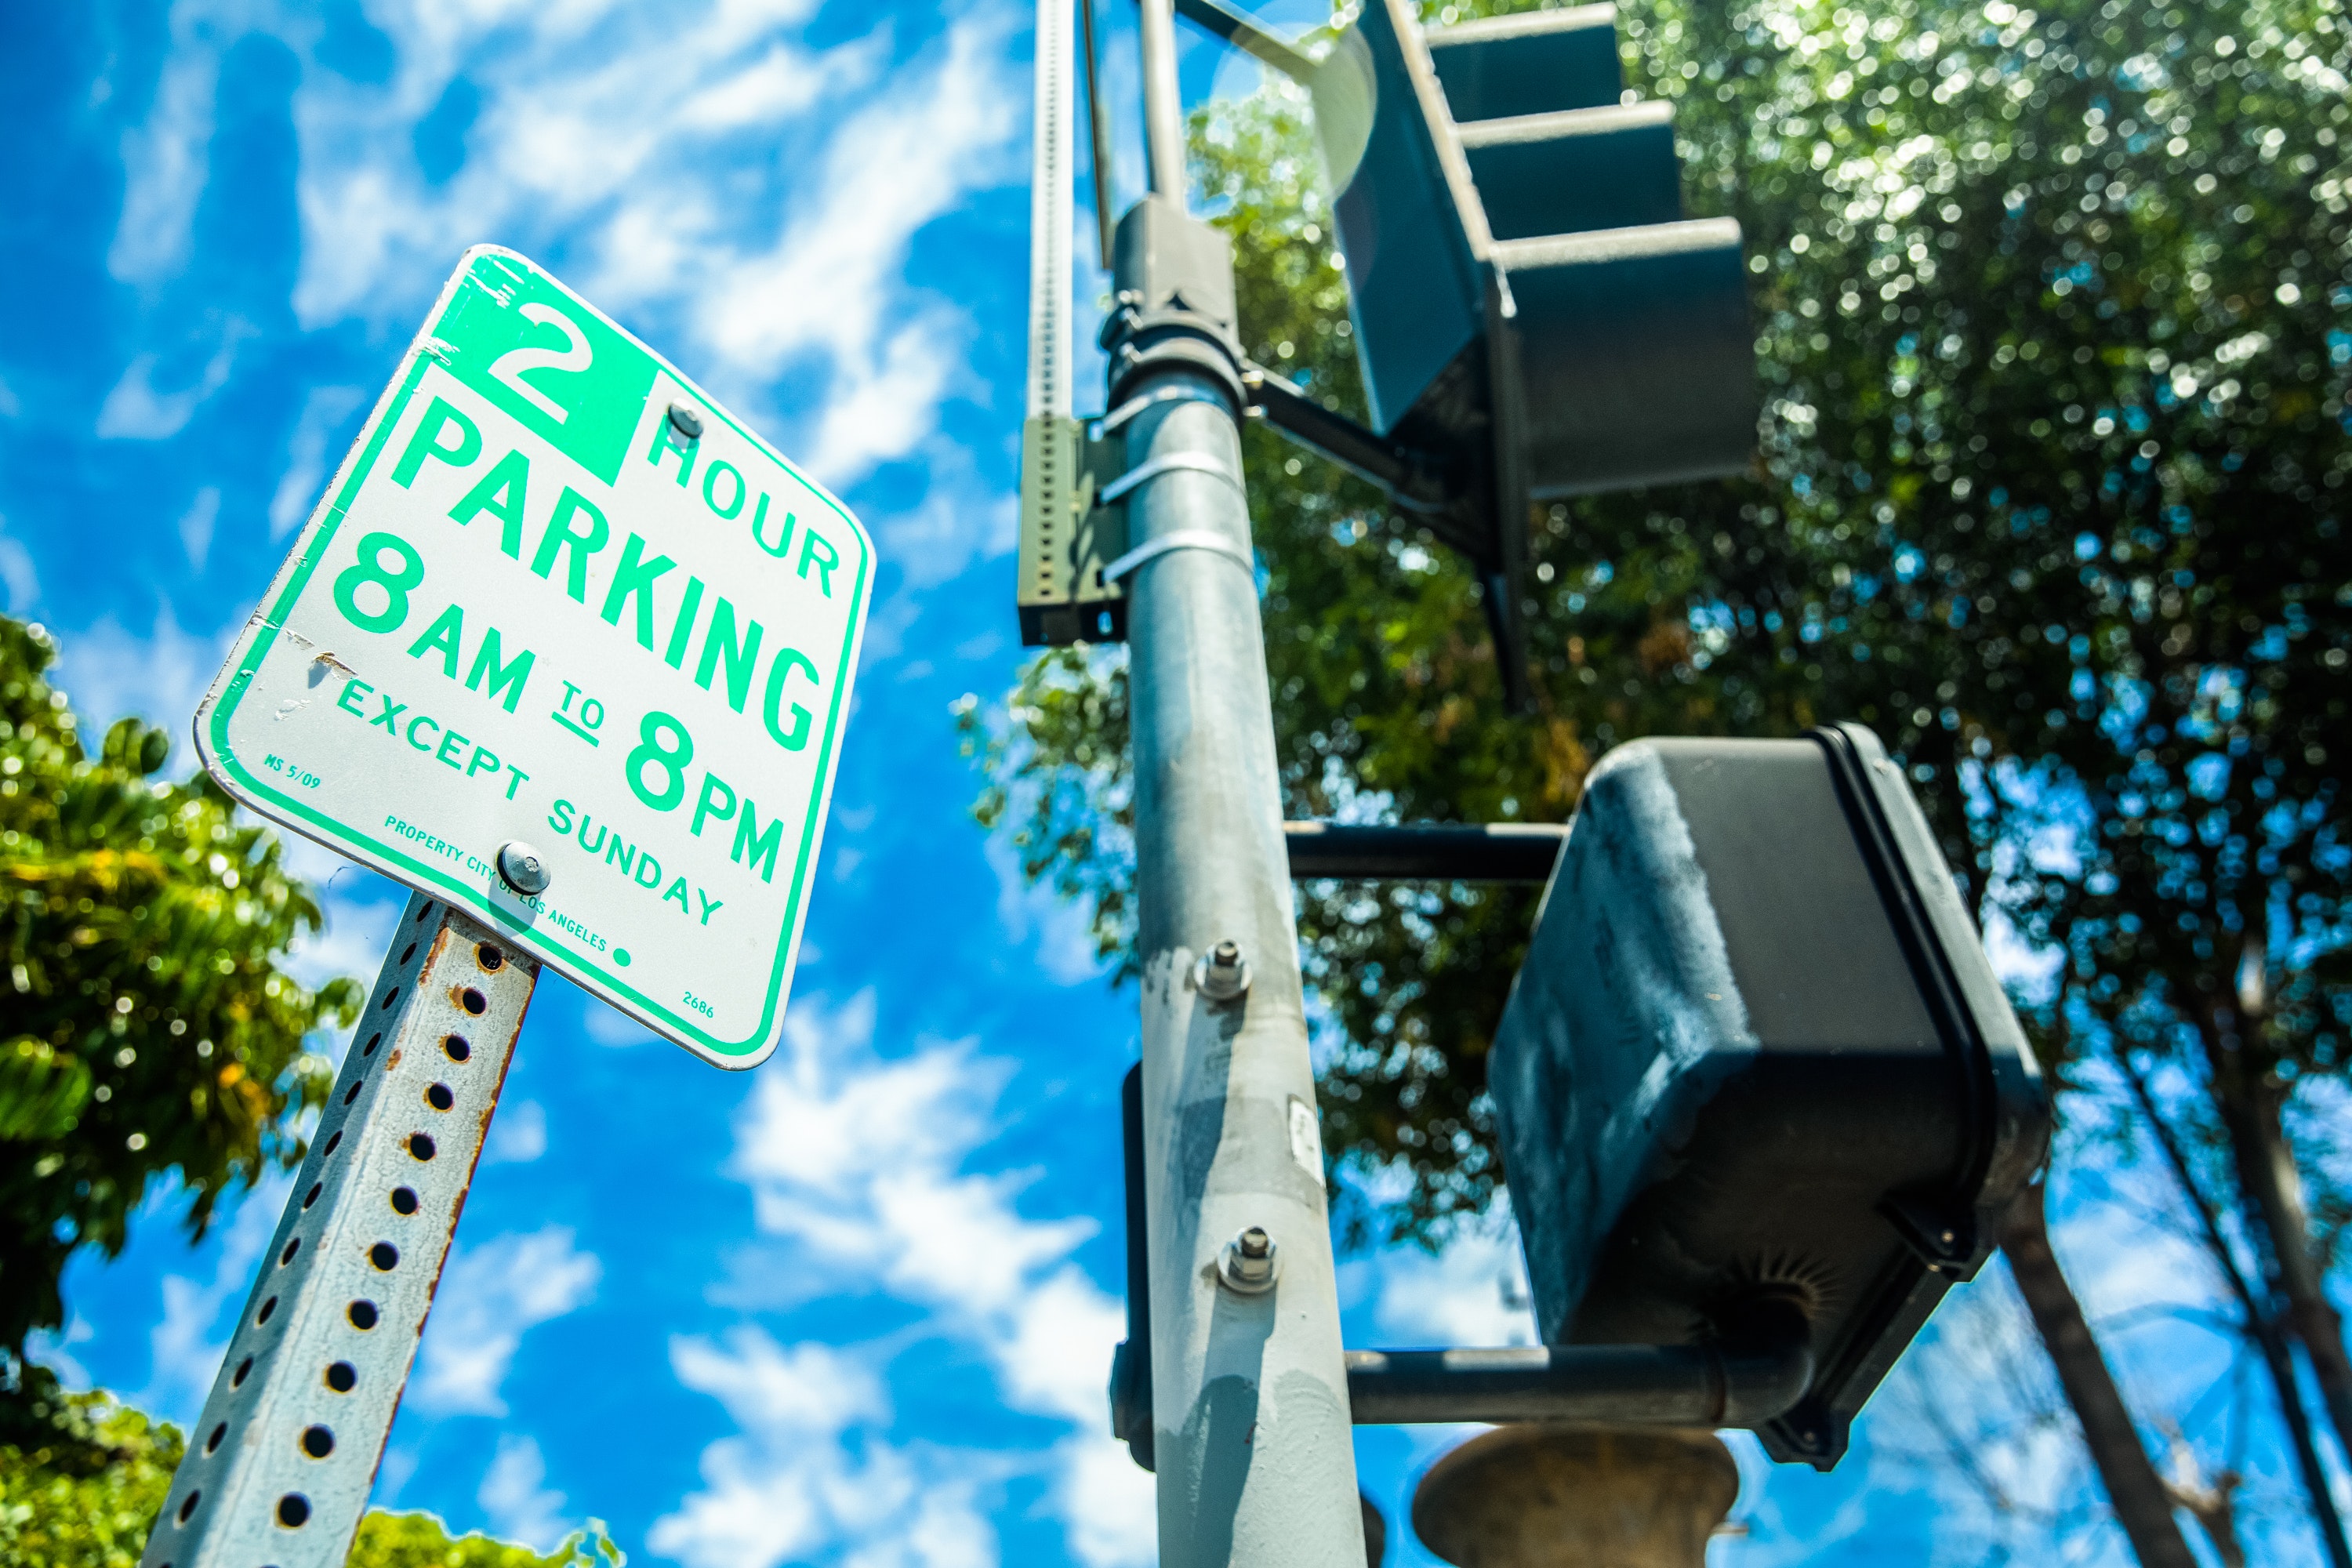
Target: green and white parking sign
{"type": "Point", "coordinates": [558, 605]}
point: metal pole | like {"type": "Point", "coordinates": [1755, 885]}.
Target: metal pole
{"type": "Point", "coordinates": [279, 1468]}
{"type": "Point", "coordinates": [1251, 1432]}
{"type": "Point", "coordinates": [1163, 111]}
{"type": "Point", "coordinates": [1097, 133]}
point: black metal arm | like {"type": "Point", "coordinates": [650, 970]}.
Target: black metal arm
{"type": "Point", "coordinates": [1650, 1386]}
{"type": "Point", "coordinates": [1425, 851]}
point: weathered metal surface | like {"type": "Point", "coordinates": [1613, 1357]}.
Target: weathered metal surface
{"type": "Point", "coordinates": [278, 1467]}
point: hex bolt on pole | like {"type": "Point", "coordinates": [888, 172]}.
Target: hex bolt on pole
{"type": "Point", "coordinates": [1222, 974]}
{"type": "Point", "coordinates": [279, 1468]}
{"type": "Point", "coordinates": [1249, 1263]}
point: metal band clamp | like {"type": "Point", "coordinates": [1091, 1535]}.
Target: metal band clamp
{"type": "Point", "coordinates": [1182, 539]}
{"type": "Point", "coordinates": [1144, 472]}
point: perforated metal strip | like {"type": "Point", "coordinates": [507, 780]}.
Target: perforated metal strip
{"type": "Point", "coordinates": [279, 1465]}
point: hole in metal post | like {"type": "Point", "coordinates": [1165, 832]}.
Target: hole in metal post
{"type": "Point", "coordinates": [409, 954]}
{"type": "Point", "coordinates": [489, 957]}
{"type": "Point", "coordinates": [342, 1377]}
{"type": "Point", "coordinates": [440, 1098]}
{"type": "Point", "coordinates": [332, 1139]}
{"type": "Point", "coordinates": [425, 914]}
{"type": "Point", "coordinates": [457, 1049]}
{"type": "Point", "coordinates": [403, 1201]}
{"type": "Point", "coordinates": [244, 1370]}
{"type": "Point", "coordinates": [363, 1314]}
{"type": "Point", "coordinates": [352, 1093]}
{"type": "Point", "coordinates": [188, 1505]}
{"type": "Point", "coordinates": [268, 1308]}
{"type": "Point", "coordinates": [213, 1442]}
{"type": "Point", "coordinates": [474, 1001]}
{"type": "Point", "coordinates": [292, 1247]}
{"type": "Point", "coordinates": [293, 1510]}
{"type": "Point", "coordinates": [390, 995]}
{"type": "Point", "coordinates": [373, 1041]}
{"type": "Point", "coordinates": [384, 1256]}
{"type": "Point", "coordinates": [420, 1146]}
{"type": "Point", "coordinates": [318, 1441]}
{"type": "Point", "coordinates": [312, 1196]}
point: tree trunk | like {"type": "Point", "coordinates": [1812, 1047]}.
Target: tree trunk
{"type": "Point", "coordinates": [2264, 1321]}
{"type": "Point", "coordinates": [2252, 1103]}
{"type": "Point", "coordinates": [2143, 1505]}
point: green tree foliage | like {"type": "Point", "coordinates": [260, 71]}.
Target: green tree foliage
{"type": "Point", "coordinates": [2052, 316]}
{"type": "Point", "coordinates": [85, 1496]}
{"type": "Point", "coordinates": [147, 1020]}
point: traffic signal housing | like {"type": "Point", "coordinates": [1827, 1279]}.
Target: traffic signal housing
{"type": "Point", "coordinates": [1521, 274]}
{"type": "Point", "coordinates": [1757, 1060]}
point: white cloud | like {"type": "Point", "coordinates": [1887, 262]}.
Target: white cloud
{"type": "Point", "coordinates": [164, 163]}
{"type": "Point", "coordinates": [196, 525]}
{"type": "Point", "coordinates": [813, 1471]}
{"type": "Point", "coordinates": [489, 1297]}
{"type": "Point", "coordinates": [135, 411]}
{"type": "Point", "coordinates": [514, 1494]}
{"type": "Point", "coordinates": [1057, 1357]}
{"type": "Point", "coordinates": [517, 1136]}
{"type": "Point", "coordinates": [186, 1356]}
{"type": "Point", "coordinates": [323, 409]}
{"type": "Point", "coordinates": [1111, 1502]}
{"type": "Point", "coordinates": [361, 909]}
{"type": "Point", "coordinates": [112, 671]}
{"type": "Point", "coordinates": [808, 1391]}
{"type": "Point", "coordinates": [792, 1485]}
{"type": "Point", "coordinates": [960, 519]}
{"type": "Point", "coordinates": [608, 1026]}
{"type": "Point", "coordinates": [649, 145]}
{"type": "Point", "coordinates": [1474, 1293]}
{"type": "Point", "coordinates": [1060, 927]}
{"type": "Point", "coordinates": [18, 574]}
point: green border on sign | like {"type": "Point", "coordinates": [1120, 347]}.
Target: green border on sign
{"type": "Point", "coordinates": [422, 873]}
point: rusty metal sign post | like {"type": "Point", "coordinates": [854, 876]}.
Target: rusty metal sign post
{"type": "Point", "coordinates": [567, 649]}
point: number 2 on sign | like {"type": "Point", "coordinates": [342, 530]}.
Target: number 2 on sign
{"type": "Point", "coordinates": [510, 366]}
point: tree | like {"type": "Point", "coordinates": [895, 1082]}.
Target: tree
{"type": "Point", "coordinates": [2049, 492]}
{"type": "Point", "coordinates": [147, 1022]}
{"type": "Point", "coordinates": [85, 1495]}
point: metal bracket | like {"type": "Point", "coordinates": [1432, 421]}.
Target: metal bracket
{"type": "Point", "coordinates": [278, 1467]}
{"type": "Point", "coordinates": [1069, 534]}
{"type": "Point", "coordinates": [1251, 37]}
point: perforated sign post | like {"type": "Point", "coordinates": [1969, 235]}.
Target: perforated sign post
{"type": "Point", "coordinates": [558, 605]}
{"type": "Point", "coordinates": [568, 650]}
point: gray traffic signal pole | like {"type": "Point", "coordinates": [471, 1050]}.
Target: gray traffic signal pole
{"type": "Point", "coordinates": [1252, 1432]}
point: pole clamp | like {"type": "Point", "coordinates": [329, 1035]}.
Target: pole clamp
{"type": "Point", "coordinates": [1168, 463]}
{"type": "Point", "coordinates": [1182, 539]}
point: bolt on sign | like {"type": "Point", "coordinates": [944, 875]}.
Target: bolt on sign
{"type": "Point", "coordinates": [567, 645]}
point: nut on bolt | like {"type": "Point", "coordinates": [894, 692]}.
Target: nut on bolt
{"type": "Point", "coordinates": [1249, 1263]}
{"type": "Point", "coordinates": [1221, 974]}
{"type": "Point", "coordinates": [686, 420]}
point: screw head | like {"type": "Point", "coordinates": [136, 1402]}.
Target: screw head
{"type": "Point", "coordinates": [1249, 1262]}
{"type": "Point", "coordinates": [521, 868]}
{"type": "Point", "coordinates": [685, 421]}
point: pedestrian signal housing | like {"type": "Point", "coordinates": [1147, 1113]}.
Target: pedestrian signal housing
{"type": "Point", "coordinates": [1755, 1060]}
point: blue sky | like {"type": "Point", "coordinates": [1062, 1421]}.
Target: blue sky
{"type": "Point", "coordinates": [855, 1307]}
